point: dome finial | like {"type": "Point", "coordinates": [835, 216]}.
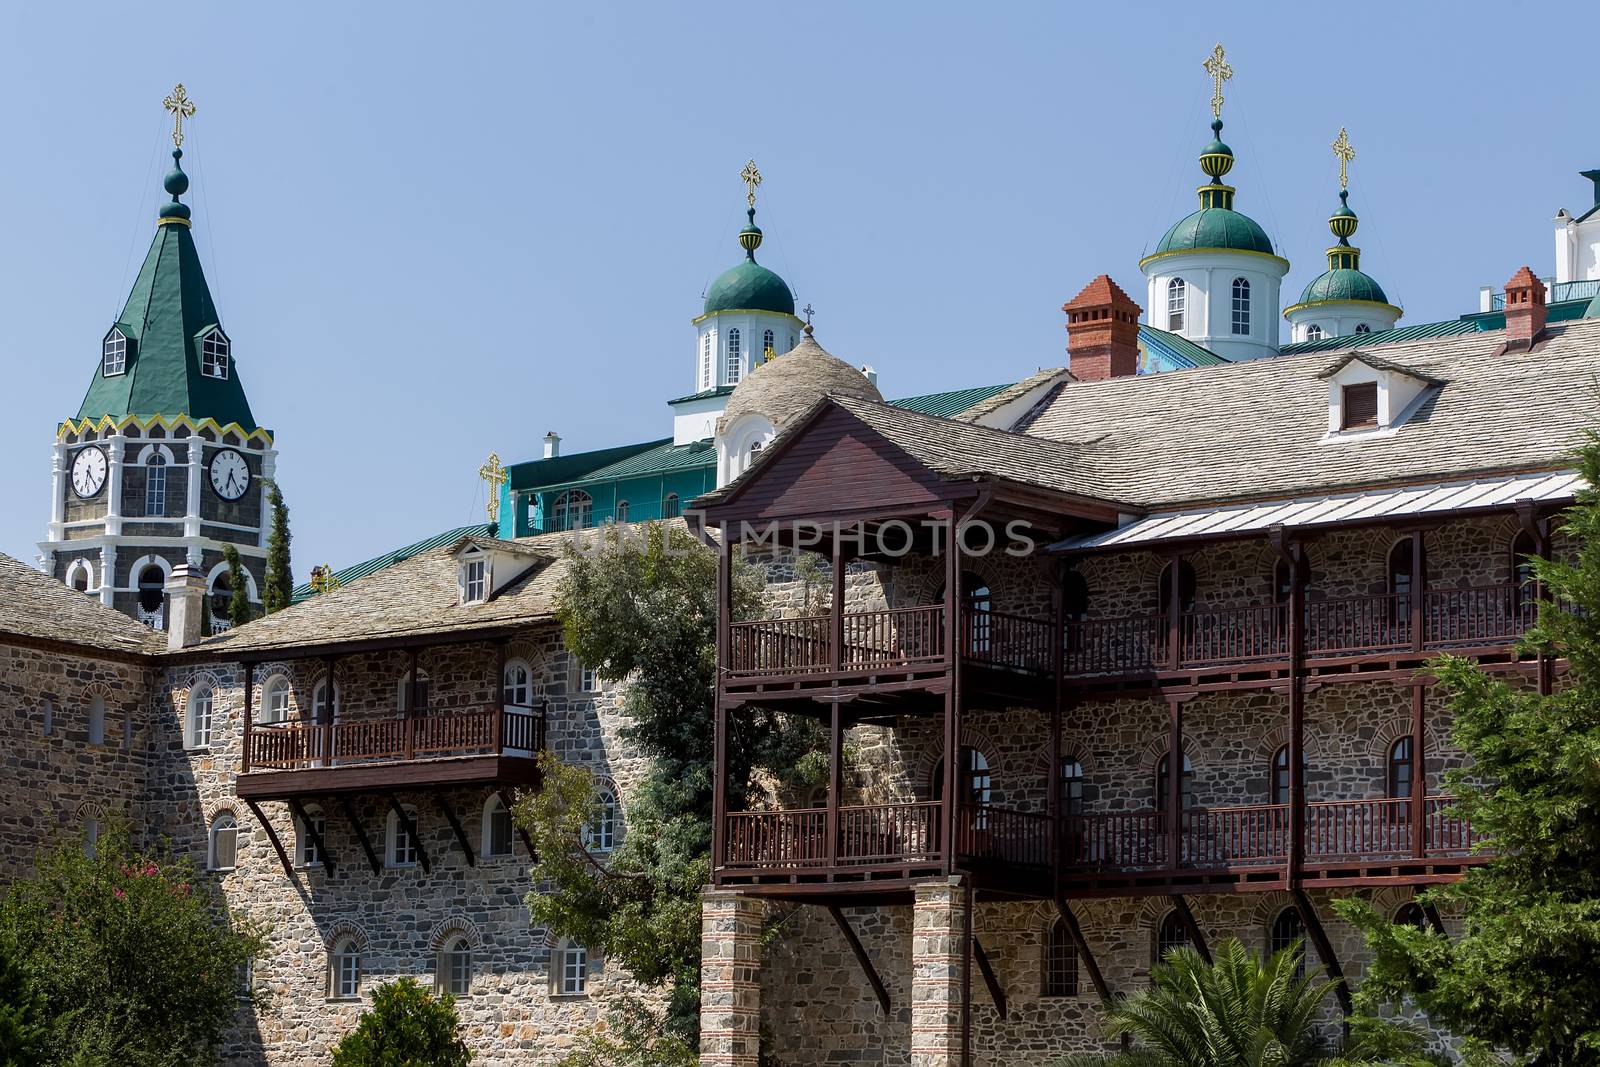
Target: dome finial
{"type": "Point", "coordinates": [176, 183]}
{"type": "Point", "coordinates": [1343, 222]}
{"type": "Point", "coordinates": [1216, 65]}
{"type": "Point", "coordinates": [1216, 159]}
{"type": "Point", "coordinates": [750, 236]}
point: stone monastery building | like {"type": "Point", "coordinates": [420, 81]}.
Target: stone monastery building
{"type": "Point", "coordinates": [1097, 680]}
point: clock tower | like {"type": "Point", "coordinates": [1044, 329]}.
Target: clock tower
{"type": "Point", "coordinates": [164, 463]}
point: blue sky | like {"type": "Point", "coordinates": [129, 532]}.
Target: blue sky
{"type": "Point", "coordinates": [435, 230]}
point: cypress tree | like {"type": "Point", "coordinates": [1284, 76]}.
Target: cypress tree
{"type": "Point", "coordinates": [280, 576]}
{"type": "Point", "coordinates": [239, 607]}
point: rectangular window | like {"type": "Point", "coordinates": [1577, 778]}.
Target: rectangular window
{"type": "Point", "coordinates": [574, 971]}
{"type": "Point", "coordinates": [404, 852]}
{"type": "Point", "coordinates": [477, 583]}
{"type": "Point", "coordinates": [588, 681]}
{"type": "Point", "coordinates": [309, 856]}
{"type": "Point", "coordinates": [1360, 407]}
{"type": "Point", "coordinates": [116, 354]}
{"type": "Point", "coordinates": [214, 355]}
{"type": "Point", "coordinates": [500, 831]}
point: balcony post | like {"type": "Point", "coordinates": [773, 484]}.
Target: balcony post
{"type": "Point", "coordinates": [1419, 592]}
{"type": "Point", "coordinates": [323, 731]}
{"type": "Point", "coordinates": [1175, 612]}
{"type": "Point", "coordinates": [249, 694]}
{"type": "Point", "coordinates": [719, 770]}
{"type": "Point", "coordinates": [1419, 772]}
{"type": "Point", "coordinates": [952, 697]}
{"type": "Point", "coordinates": [1538, 530]}
{"type": "Point", "coordinates": [1293, 555]}
{"type": "Point", "coordinates": [835, 782]}
{"type": "Point", "coordinates": [1174, 780]}
{"type": "Point", "coordinates": [836, 615]}
{"type": "Point", "coordinates": [1053, 786]}
{"type": "Point", "coordinates": [411, 706]}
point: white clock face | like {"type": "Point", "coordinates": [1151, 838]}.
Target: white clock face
{"type": "Point", "coordinates": [230, 475]}
{"type": "Point", "coordinates": [88, 471]}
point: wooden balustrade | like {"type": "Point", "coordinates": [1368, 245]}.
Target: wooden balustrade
{"type": "Point", "coordinates": [773, 840]}
{"type": "Point", "coordinates": [1477, 615]}
{"type": "Point", "coordinates": [395, 738]}
{"type": "Point", "coordinates": [1446, 834]}
{"type": "Point", "coordinates": [1006, 640]}
{"type": "Point", "coordinates": [991, 832]}
{"type": "Point", "coordinates": [894, 636]}
{"type": "Point", "coordinates": [1236, 635]}
{"type": "Point", "coordinates": [1123, 840]}
{"type": "Point", "coordinates": [1358, 624]}
{"type": "Point", "coordinates": [1110, 646]}
{"type": "Point", "coordinates": [906, 832]}
{"type": "Point", "coordinates": [1358, 829]}
{"type": "Point", "coordinates": [1240, 836]}
{"type": "Point", "coordinates": [780, 646]}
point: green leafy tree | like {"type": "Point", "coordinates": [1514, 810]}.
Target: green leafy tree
{"type": "Point", "coordinates": [279, 583]}
{"type": "Point", "coordinates": [405, 1027]}
{"type": "Point", "coordinates": [135, 963]}
{"type": "Point", "coordinates": [239, 611]}
{"type": "Point", "coordinates": [1523, 976]}
{"type": "Point", "coordinates": [24, 1032]}
{"type": "Point", "coordinates": [641, 605]}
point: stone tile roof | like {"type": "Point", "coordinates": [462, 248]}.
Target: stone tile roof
{"type": "Point", "coordinates": [390, 558]}
{"type": "Point", "coordinates": [35, 605]}
{"type": "Point", "coordinates": [787, 385]}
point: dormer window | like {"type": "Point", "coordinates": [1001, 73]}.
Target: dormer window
{"type": "Point", "coordinates": [474, 581]}
{"type": "Point", "coordinates": [214, 354]}
{"type": "Point", "coordinates": [1360, 407]}
{"type": "Point", "coordinates": [114, 354]}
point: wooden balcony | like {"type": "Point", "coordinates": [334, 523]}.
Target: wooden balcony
{"type": "Point", "coordinates": [1471, 619]}
{"type": "Point", "coordinates": [1352, 841]}
{"type": "Point", "coordinates": [428, 748]}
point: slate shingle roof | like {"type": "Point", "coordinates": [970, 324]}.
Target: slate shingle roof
{"type": "Point", "coordinates": [35, 605]}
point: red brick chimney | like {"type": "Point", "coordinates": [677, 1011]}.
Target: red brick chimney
{"type": "Point", "coordinates": [1525, 310]}
{"type": "Point", "coordinates": [1102, 332]}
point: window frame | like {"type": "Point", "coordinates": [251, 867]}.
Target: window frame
{"type": "Point", "coordinates": [1400, 769]}
{"type": "Point", "coordinates": [671, 508]}
{"type": "Point", "coordinates": [1170, 935]}
{"type": "Point", "coordinates": [1177, 305]}
{"type": "Point", "coordinates": [97, 719]}
{"type": "Point", "coordinates": [1313, 332]}
{"type": "Point", "coordinates": [216, 354]}
{"type": "Point", "coordinates": [707, 374]}
{"type": "Point", "coordinates": [1060, 961]}
{"type": "Point", "coordinates": [572, 978]}
{"type": "Point", "coordinates": [734, 365]}
{"type": "Point", "coordinates": [601, 834]}
{"type": "Point", "coordinates": [396, 836]}
{"type": "Point", "coordinates": [510, 690]}
{"type": "Point", "coordinates": [344, 969]}
{"type": "Point", "coordinates": [453, 970]}
{"type": "Point", "coordinates": [493, 809]}
{"type": "Point", "coordinates": [276, 687]}
{"type": "Point", "coordinates": [768, 343]}
{"type": "Point", "coordinates": [224, 822]}
{"type": "Point", "coordinates": [306, 854]}
{"type": "Point", "coordinates": [475, 580]}
{"type": "Point", "coordinates": [403, 692]}
{"type": "Point", "coordinates": [155, 483]}
{"type": "Point", "coordinates": [1279, 937]}
{"type": "Point", "coordinates": [115, 343]}
{"type": "Point", "coordinates": [1185, 786]}
{"type": "Point", "coordinates": [1240, 318]}
{"type": "Point", "coordinates": [1348, 420]}
{"type": "Point", "coordinates": [1071, 785]}
{"type": "Point", "coordinates": [1362, 327]}
{"type": "Point", "coordinates": [197, 732]}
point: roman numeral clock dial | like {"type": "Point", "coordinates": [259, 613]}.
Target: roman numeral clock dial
{"type": "Point", "coordinates": [230, 474]}
{"type": "Point", "coordinates": [89, 471]}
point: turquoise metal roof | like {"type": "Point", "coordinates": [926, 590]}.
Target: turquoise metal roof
{"type": "Point", "coordinates": [1451, 328]}
{"type": "Point", "coordinates": [664, 458]}
{"type": "Point", "coordinates": [537, 473]}
{"type": "Point", "coordinates": [704, 394]}
{"type": "Point", "coordinates": [945, 405]}
{"type": "Point", "coordinates": [399, 555]}
{"type": "Point", "coordinates": [1175, 348]}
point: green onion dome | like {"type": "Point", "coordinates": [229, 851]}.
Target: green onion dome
{"type": "Point", "coordinates": [1216, 225]}
{"type": "Point", "coordinates": [1343, 284]}
{"type": "Point", "coordinates": [749, 286]}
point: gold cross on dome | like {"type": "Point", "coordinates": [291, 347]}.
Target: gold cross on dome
{"type": "Point", "coordinates": [1217, 67]}
{"type": "Point", "coordinates": [1346, 152]}
{"type": "Point", "coordinates": [182, 107]}
{"type": "Point", "coordinates": [751, 178]}
{"type": "Point", "coordinates": [494, 474]}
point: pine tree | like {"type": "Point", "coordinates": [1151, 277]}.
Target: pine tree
{"type": "Point", "coordinates": [239, 611]}
{"type": "Point", "coordinates": [279, 585]}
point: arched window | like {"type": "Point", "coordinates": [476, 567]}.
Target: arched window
{"type": "Point", "coordinates": [1280, 774]}
{"type": "Point", "coordinates": [1313, 332]}
{"type": "Point", "coordinates": [197, 725]}
{"type": "Point", "coordinates": [976, 604]}
{"type": "Point", "coordinates": [214, 351]}
{"type": "Point", "coordinates": [622, 511]}
{"type": "Point", "coordinates": [80, 575]}
{"type": "Point", "coordinates": [572, 976]}
{"type": "Point", "coordinates": [1410, 914]}
{"type": "Point", "coordinates": [1171, 935]}
{"type": "Point", "coordinates": [403, 689]}
{"type": "Point", "coordinates": [601, 834]}
{"type": "Point", "coordinates": [1185, 784]}
{"type": "Point", "coordinates": [275, 700]}
{"type": "Point", "coordinates": [518, 688]}
{"type": "Point", "coordinates": [735, 357]}
{"type": "Point", "coordinates": [344, 970]}
{"type": "Point", "coordinates": [1241, 307]}
{"type": "Point", "coordinates": [1522, 576]}
{"type": "Point", "coordinates": [766, 345]}
{"type": "Point", "coordinates": [1060, 962]}
{"type": "Point", "coordinates": [973, 780]}
{"type": "Point", "coordinates": [1362, 327]}
{"type": "Point", "coordinates": [571, 510]}
{"type": "Point", "coordinates": [1402, 770]}
{"type": "Point", "coordinates": [705, 360]}
{"type": "Point", "coordinates": [1283, 581]}
{"type": "Point", "coordinates": [114, 354]}
{"type": "Point", "coordinates": [1074, 597]}
{"type": "Point", "coordinates": [152, 588]}
{"type": "Point", "coordinates": [155, 483]}
{"type": "Point", "coordinates": [223, 855]}
{"type": "Point", "coordinates": [402, 847]}
{"type": "Point", "coordinates": [1177, 298]}
{"type": "Point", "coordinates": [91, 836]}
{"type": "Point", "coordinates": [1402, 582]}
{"type": "Point", "coordinates": [1071, 786]}
{"type": "Point", "coordinates": [221, 596]}
{"type": "Point", "coordinates": [754, 450]}
{"type": "Point", "coordinates": [97, 720]}
{"type": "Point", "coordinates": [669, 506]}
{"type": "Point", "coordinates": [308, 831]}
{"type": "Point", "coordinates": [497, 828]}
{"type": "Point", "coordinates": [1287, 932]}
{"type": "Point", "coordinates": [455, 967]}
{"type": "Point", "coordinates": [323, 710]}
{"type": "Point", "coordinates": [1186, 585]}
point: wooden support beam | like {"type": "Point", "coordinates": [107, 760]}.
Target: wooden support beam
{"type": "Point", "coordinates": [360, 831]}
{"type": "Point", "coordinates": [879, 990]}
{"type": "Point", "coordinates": [1319, 940]}
{"type": "Point", "coordinates": [1432, 915]}
{"type": "Point", "coordinates": [1085, 953]}
{"type": "Point", "coordinates": [996, 993]}
{"type": "Point", "coordinates": [299, 811]}
{"type": "Point", "coordinates": [455, 824]}
{"type": "Point", "coordinates": [1197, 936]}
{"type": "Point", "coordinates": [411, 828]}
{"type": "Point", "coordinates": [527, 842]}
{"type": "Point", "coordinates": [272, 835]}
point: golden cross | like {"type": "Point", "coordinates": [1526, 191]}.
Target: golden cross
{"type": "Point", "coordinates": [1217, 67]}
{"type": "Point", "coordinates": [751, 178]}
{"type": "Point", "coordinates": [1346, 152]}
{"type": "Point", "coordinates": [493, 473]}
{"type": "Point", "coordinates": [182, 107]}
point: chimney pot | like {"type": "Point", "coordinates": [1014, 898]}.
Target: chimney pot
{"type": "Point", "coordinates": [186, 599]}
{"type": "Point", "coordinates": [552, 445]}
{"type": "Point", "coordinates": [1102, 332]}
{"type": "Point", "coordinates": [1525, 309]}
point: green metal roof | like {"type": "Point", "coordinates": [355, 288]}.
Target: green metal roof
{"type": "Point", "coordinates": [399, 555]}
{"type": "Point", "coordinates": [167, 311]}
{"type": "Point", "coordinates": [537, 473]}
{"type": "Point", "coordinates": [749, 286]}
{"type": "Point", "coordinates": [1450, 328]}
{"type": "Point", "coordinates": [953, 403]}
{"type": "Point", "coordinates": [1177, 348]}
{"type": "Point", "coordinates": [704, 394]}
{"type": "Point", "coordinates": [1215, 227]}
{"type": "Point", "coordinates": [664, 458]}
{"type": "Point", "coordinates": [1343, 284]}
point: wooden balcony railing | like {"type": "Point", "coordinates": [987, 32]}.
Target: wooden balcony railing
{"type": "Point", "coordinates": [1342, 832]}
{"type": "Point", "coordinates": [428, 733]}
{"type": "Point", "coordinates": [1001, 639]}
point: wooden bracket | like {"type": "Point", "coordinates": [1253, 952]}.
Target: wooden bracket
{"type": "Point", "coordinates": [527, 843]}
{"type": "Point", "coordinates": [878, 988]}
{"type": "Point", "coordinates": [1085, 954]}
{"type": "Point", "coordinates": [455, 824]}
{"type": "Point", "coordinates": [311, 831]}
{"type": "Point", "coordinates": [272, 835]}
{"type": "Point", "coordinates": [996, 994]}
{"type": "Point", "coordinates": [361, 835]}
{"type": "Point", "coordinates": [1432, 914]}
{"type": "Point", "coordinates": [410, 828]}
{"type": "Point", "coordinates": [1319, 940]}
{"type": "Point", "coordinates": [1197, 937]}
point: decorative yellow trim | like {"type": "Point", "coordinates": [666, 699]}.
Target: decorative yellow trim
{"type": "Point", "coordinates": [1227, 251]}
{"type": "Point", "coordinates": [1398, 313]}
{"type": "Point", "coordinates": [172, 220]}
{"type": "Point", "coordinates": [698, 319]}
{"type": "Point", "coordinates": [166, 422]}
